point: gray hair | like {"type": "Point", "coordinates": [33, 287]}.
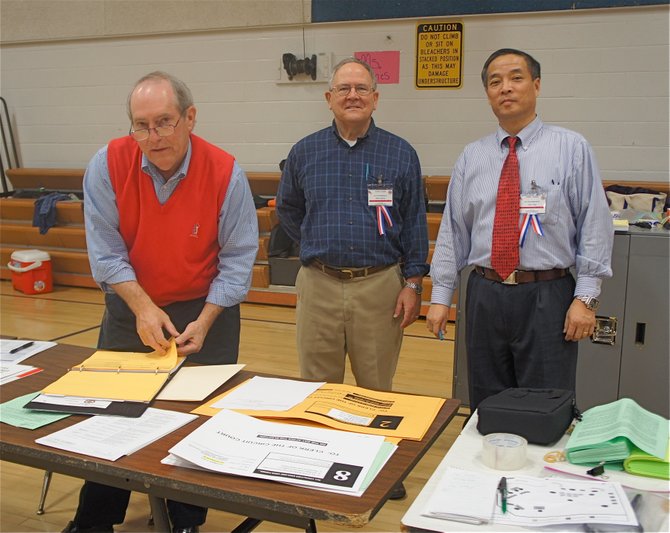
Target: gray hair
{"type": "Point", "coordinates": [180, 89]}
{"type": "Point", "coordinates": [348, 60]}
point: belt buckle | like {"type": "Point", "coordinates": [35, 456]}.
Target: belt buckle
{"type": "Point", "coordinates": [349, 272]}
{"type": "Point", "coordinates": [511, 279]}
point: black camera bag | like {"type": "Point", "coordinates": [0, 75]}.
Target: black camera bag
{"type": "Point", "coordinates": [541, 416]}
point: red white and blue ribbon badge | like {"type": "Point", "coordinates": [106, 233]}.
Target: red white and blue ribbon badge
{"type": "Point", "coordinates": [383, 215]}
{"type": "Point", "coordinates": [530, 220]}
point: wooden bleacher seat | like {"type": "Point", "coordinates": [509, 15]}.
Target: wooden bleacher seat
{"type": "Point", "coordinates": [31, 182]}
{"type": "Point", "coordinates": [264, 183]}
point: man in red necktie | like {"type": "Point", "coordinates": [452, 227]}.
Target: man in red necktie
{"type": "Point", "coordinates": [524, 205]}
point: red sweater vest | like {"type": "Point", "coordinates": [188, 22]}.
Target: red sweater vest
{"type": "Point", "coordinates": [173, 247]}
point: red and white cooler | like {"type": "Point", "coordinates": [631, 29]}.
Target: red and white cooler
{"type": "Point", "coordinates": [31, 271]}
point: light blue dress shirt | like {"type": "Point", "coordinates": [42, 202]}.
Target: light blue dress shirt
{"type": "Point", "coordinates": [577, 224]}
{"type": "Point", "coordinates": [237, 230]}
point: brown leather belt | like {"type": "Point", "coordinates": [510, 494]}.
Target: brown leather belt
{"type": "Point", "coordinates": [523, 276]}
{"type": "Point", "coordinates": [347, 273]}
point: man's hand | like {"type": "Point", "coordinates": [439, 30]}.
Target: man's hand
{"type": "Point", "coordinates": [150, 320]}
{"type": "Point", "coordinates": [579, 322]}
{"type": "Point", "coordinates": [150, 323]}
{"type": "Point", "coordinates": [193, 337]}
{"type": "Point", "coordinates": [436, 319]}
{"type": "Point", "coordinates": [409, 305]}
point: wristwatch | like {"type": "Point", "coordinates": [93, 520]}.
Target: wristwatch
{"type": "Point", "coordinates": [591, 302]}
{"type": "Point", "coordinates": [416, 287]}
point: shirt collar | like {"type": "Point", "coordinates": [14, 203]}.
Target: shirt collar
{"type": "Point", "coordinates": [152, 170]}
{"type": "Point", "coordinates": [526, 135]}
{"type": "Point", "coordinates": [371, 131]}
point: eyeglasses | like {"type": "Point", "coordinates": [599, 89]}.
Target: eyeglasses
{"type": "Point", "coordinates": [162, 131]}
{"type": "Point", "coordinates": [344, 90]}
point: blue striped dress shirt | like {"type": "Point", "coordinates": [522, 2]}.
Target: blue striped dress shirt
{"type": "Point", "coordinates": [322, 201]}
{"type": "Point", "coordinates": [577, 224]}
{"type": "Point", "coordinates": [237, 225]}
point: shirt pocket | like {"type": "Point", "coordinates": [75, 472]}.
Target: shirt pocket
{"type": "Point", "coordinates": [552, 213]}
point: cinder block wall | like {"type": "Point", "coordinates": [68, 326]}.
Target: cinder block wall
{"type": "Point", "coordinates": [605, 74]}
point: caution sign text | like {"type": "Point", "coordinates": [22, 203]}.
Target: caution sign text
{"type": "Point", "coordinates": [439, 55]}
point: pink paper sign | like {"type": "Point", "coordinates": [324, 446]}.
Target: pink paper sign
{"type": "Point", "coordinates": [385, 64]}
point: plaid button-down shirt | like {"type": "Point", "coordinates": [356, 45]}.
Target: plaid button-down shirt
{"type": "Point", "coordinates": [322, 201]}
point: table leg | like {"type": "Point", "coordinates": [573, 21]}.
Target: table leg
{"type": "Point", "coordinates": [45, 489]}
{"type": "Point", "coordinates": [159, 514]}
{"type": "Point", "coordinates": [249, 524]}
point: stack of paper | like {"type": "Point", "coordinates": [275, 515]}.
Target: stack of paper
{"type": "Point", "coordinates": [609, 451]}
{"type": "Point", "coordinates": [9, 373]}
{"type": "Point", "coordinates": [112, 437]}
{"type": "Point", "coordinates": [343, 407]}
{"type": "Point", "coordinates": [611, 433]}
{"type": "Point", "coordinates": [463, 496]}
{"type": "Point", "coordinates": [15, 351]}
{"type": "Point", "coordinates": [645, 464]}
{"type": "Point", "coordinates": [536, 502]}
{"type": "Point", "coordinates": [325, 459]}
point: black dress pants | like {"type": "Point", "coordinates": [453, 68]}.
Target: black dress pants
{"type": "Point", "coordinates": [105, 505]}
{"type": "Point", "coordinates": [514, 336]}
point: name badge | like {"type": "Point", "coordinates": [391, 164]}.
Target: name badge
{"type": "Point", "coordinates": [380, 195]}
{"type": "Point", "coordinates": [533, 204]}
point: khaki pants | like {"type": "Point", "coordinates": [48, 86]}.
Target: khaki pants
{"type": "Point", "coordinates": [355, 317]}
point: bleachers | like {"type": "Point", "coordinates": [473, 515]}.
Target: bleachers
{"type": "Point", "coordinates": [66, 243]}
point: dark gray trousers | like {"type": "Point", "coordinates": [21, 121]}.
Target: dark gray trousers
{"type": "Point", "coordinates": [514, 336]}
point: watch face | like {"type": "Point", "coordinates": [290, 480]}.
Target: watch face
{"type": "Point", "coordinates": [414, 286]}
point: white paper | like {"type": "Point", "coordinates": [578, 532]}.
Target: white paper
{"type": "Point", "coordinates": [195, 383]}
{"type": "Point", "coordinates": [463, 496]}
{"type": "Point", "coordinates": [268, 394]}
{"type": "Point", "coordinates": [9, 373]}
{"type": "Point", "coordinates": [535, 502]}
{"type": "Point", "coordinates": [385, 453]}
{"type": "Point", "coordinates": [7, 345]}
{"type": "Point", "coordinates": [112, 437]}
{"type": "Point", "coordinates": [73, 401]}
{"type": "Point", "coordinates": [233, 443]}
{"type": "Point", "coordinates": [649, 484]}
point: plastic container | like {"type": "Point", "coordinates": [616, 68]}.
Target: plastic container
{"type": "Point", "coordinates": [31, 271]}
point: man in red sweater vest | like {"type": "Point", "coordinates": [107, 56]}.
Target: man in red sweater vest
{"type": "Point", "coordinates": [172, 236]}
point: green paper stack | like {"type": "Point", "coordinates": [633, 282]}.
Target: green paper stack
{"type": "Point", "coordinates": [609, 451]}
{"type": "Point", "coordinates": [622, 431]}
{"type": "Point", "coordinates": [641, 463]}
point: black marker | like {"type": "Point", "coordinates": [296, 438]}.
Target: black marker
{"type": "Point", "coordinates": [22, 347]}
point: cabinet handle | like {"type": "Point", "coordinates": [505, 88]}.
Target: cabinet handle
{"type": "Point", "coordinates": [640, 330]}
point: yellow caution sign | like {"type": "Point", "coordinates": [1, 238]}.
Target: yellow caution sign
{"type": "Point", "coordinates": [439, 55]}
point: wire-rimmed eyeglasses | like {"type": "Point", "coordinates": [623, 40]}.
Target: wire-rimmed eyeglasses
{"type": "Point", "coordinates": [164, 130]}
{"type": "Point", "coordinates": [344, 90]}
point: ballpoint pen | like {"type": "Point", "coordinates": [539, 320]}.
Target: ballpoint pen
{"type": "Point", "coordinates": [22, 347]}
{"type": "Point", "coordinates": [502, 489]}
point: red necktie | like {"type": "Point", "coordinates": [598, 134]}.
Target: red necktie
{"type": "Point", "coordinates": [505, 246]}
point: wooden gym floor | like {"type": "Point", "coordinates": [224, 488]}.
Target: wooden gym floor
{"type": "Point", "coordinates": [71, 315]}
